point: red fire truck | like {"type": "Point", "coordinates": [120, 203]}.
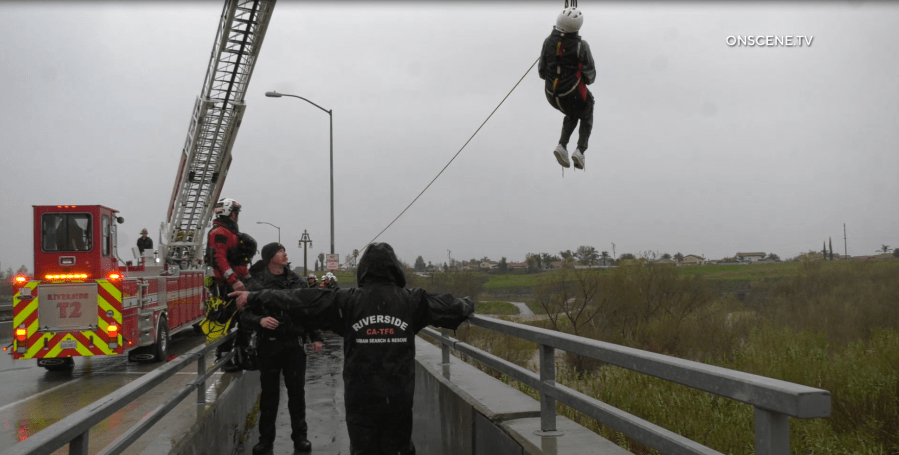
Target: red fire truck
{"type": "Point", "coordinates": [84, 299]}
{"type": "Point", "coordinates": [81, 302]}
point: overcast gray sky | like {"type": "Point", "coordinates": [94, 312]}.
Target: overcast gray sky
{"type": "Point", "coordinates": [698, 147]}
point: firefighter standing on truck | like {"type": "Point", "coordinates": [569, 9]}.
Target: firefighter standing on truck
{"type": "Point", "coordinates": [229, 252]}
{"type": "Point", "coordinates": [144, 242]}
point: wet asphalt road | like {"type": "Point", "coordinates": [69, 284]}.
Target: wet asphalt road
{"type": "Point", "coordinates": [325, 413]}
{"type": "Point", "coordinates": [33, 398]}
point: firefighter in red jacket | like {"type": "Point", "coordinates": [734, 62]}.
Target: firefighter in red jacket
{"type": "Point", "coordinates": [229, 253]}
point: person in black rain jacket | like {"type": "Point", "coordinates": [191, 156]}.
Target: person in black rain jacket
{"type": "Point", "coordinates": [279, 350]}
{"type": "Point", "coordinates": [378, 322]}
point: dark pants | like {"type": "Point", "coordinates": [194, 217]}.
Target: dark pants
{"type": "Point", "coordinates": [575, 109]}
{"type": "Point", "coordinates": [291, 361]}
{"type": "Point", "coordinates": [380, 434]}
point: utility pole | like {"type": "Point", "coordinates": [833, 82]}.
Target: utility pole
{"type": "Point", "coordinates": [613, 251]}
{"type": "Point", "coordinates": [305, 240]}
{"type": "Point", "coordinates": [449, 255]}
{"type": "Point", "coordinates": [845, 250]}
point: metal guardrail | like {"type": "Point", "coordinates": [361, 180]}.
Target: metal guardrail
{"type": "Point", "coordinates": [774, 400]}
{"type": "Point", "coordinates": [73, 430]}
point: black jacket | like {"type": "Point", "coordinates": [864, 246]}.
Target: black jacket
{"type": "Point", "coordinates": [144, 243]}
{"type": "Point", "coordinates": [566, 64]}
{"type": "Point", "coordinates": [288, 333]}
{"type": "Point", "coordinates": [378, 321]}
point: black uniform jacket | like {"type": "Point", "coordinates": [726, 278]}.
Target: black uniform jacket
{"type": "Point", "coordinates": [288, 333]}
{"type": "Point", "coordinates": [378, 322]}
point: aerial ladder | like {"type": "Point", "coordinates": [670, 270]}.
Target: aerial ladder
{"type": "Point", "coordinates": [215, 119]}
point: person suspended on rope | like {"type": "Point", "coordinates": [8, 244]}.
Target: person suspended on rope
{"type": "Point", "coordinates": [566, 65]}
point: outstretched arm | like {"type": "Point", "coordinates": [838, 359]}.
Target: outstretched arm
{"type": "Point", "coordinates": [443, 310]}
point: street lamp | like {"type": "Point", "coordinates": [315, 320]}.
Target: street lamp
{"type": "Point", "coordinates": [304, 240]}
{"type": "Point", "coordinates": [276, 227]}
{"type": "Point", "coordinates": [331, 121]}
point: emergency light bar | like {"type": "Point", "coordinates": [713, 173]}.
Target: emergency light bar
{"type": "Point", "coordinates": [69, 276]}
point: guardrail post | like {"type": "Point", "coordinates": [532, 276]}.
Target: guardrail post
{"type": "Point", "coordinates": [547, 377]}
{"type": "Point", "coordinates": [445, 352]}
{"type": "Point", "coordinates": [772, 433]}
{"type": "Point", "coordinates": [79, 445]}
{"type": "Point", "coordinates": [444, 348]}
{"type": "Point", "coordinates": [201, 386]}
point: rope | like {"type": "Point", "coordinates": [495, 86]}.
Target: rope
{"type": "Point", "coordinates": [454, 156]}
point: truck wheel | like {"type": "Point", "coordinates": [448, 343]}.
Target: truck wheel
{"type": "Point", "coordinates": [64, 364]}
{"type": "Point", "coordinates": [160, 349]}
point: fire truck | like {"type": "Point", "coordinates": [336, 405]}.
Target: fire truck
{"type": "Point", "coordinates": [84, 299]}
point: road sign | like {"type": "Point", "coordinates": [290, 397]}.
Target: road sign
{"type": "Point", "coordinates": [333, 261]}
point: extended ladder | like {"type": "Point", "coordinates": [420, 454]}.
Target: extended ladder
{"type": "Point", "coordinates": [216, 117]}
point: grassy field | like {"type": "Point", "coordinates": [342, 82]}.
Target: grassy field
{"type": "Point", "coordinates": [829, 325]}
{"type": "Point", "coordinates": [510, 280]}
{"type": "Point", "coordinates": [493, 307]}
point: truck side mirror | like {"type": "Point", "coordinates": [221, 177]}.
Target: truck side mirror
{"type": "Point", "coordinates": [120, 220]}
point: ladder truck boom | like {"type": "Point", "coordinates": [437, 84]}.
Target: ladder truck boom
{"type": "Point", "coordinates": [214, 123]}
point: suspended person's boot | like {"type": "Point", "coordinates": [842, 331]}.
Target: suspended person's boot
{"type": "Point", "coordinates": [578, 159]}
{"type": "Point", "coordinates": [562, 155]}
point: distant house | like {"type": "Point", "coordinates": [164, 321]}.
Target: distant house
{"type": "Point", "coordinates": [750, 257]}
{"type": "Point", "coordinates": [556, 265]}
{"type": "Point", "coordinates": [489, 265]}
{"type": "Point", "coordinates": [518, 265]}
{"type": "Point", "coordinates": [664, 262]}
{"type": "Point", "coordinates": [692, 259]}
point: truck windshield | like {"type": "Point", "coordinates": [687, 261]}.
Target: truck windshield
{"type": "Point", "coordinates": [66, 232]}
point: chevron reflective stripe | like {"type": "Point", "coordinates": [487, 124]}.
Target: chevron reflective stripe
{"type": "Point", "coordinates": [109, 311]}
{"type": "Point", "coordinates": [109, 303]}
{"type": "Point", "coordinates": [25, 313]}
{"type": "Point", "coordinates": [25, 310]}
{"type": "Point", "coordinates": [74, 344]}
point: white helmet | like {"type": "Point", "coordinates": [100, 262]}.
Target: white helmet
{"type": "Point", "coordinates": [225, 206]}
{"type": "Point", "coordinates": [570, 20]}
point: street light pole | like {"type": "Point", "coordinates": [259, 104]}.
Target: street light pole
{"type": "Point", "coordinates": [272, 225]}
{"type": "Point", "coordinates": [331, 126]}
{"type": "Point", "coordinates": [304, 240]}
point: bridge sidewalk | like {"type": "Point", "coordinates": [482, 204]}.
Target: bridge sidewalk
{"type": "Point", "coordinates": [325, 412]}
